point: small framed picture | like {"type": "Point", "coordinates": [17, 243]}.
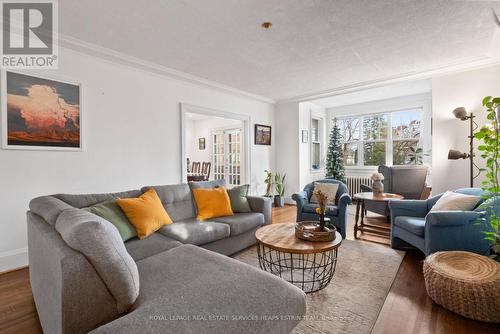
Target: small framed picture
{"type": "Point", "coordinates": [305, 136]}
{"type": "Point", "coordinates": [201, 144]}
{"type": "Point", "coordinates": [262, 134]}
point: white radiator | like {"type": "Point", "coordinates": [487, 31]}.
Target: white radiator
{"type": "Point", "coordinates": [354, 183]}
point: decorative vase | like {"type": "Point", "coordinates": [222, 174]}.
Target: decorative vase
{"type": "Point", "coordinates": [322, 222]}
{"type": "Point", "coordinates": [378, 187]}
{"type": "Point", "coordinates": [279, 201]}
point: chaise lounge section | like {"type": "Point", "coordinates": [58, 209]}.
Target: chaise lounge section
{"type": "Point", "coordinates": [84, 278]}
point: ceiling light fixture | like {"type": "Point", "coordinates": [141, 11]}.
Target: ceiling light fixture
{"type": "Point", "coordinates": [267, 25]}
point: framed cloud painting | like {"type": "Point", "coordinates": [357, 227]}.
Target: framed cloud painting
{"type": "Point", "coordinates": [40, 113]}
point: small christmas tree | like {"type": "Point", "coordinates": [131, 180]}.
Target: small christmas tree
{"type": "Point", "coordinates": [334, 160]}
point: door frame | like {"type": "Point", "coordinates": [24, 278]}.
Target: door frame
{"type": "Point", "coordinates": [189, 108]}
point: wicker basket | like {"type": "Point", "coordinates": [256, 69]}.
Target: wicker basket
{"type": "Point", "coordinates": [309, 231]}
{"type": "Point", "coordinates": [465, 283]}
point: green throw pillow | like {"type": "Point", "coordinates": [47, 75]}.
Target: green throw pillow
{"type": "Point", "coordinates": [238, 197]}
{"type": "Point", "coordinates": [110, 211]}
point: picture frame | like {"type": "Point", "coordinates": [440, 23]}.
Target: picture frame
{"type": "Point", "coordinates": [40, 112]}
{"type": "Point", "coordinates": [262, 134]}
{"type": "Point", "coordinates": [305, 136]}
{"type": "Point", "coordinates": [201, 144]}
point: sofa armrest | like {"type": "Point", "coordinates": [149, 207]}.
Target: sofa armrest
{"type": "Point", "coordinates": [456, 230]}
{"type": "Point", "coordinates": [344, 201]}
{"type": "Point", "coordinates": [411, 208]}
{"type": "Point", "coordinates": [452, 218]}
{"type": "Point", "coordinates": [263, 205]}
{"type": "Point", "coordinates": [61, 276]}
{"type": "Point", "coordinates": [300, 197]}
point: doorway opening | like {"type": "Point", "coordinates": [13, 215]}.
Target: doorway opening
{"type": "Point", "coordinates": [215, 146]}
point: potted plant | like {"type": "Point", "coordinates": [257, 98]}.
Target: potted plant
{"type": "Point", "coordinates": [490, 136]}
{"type": "Point", "coordinates": [269, 183]}
{"type": "Point", "coordinates": [279, 181]}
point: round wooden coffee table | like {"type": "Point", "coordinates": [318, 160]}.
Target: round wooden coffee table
{"type": "Point", "coordinates": [360, 224]}
{"type": "Point", "coordinates": [306, 264]}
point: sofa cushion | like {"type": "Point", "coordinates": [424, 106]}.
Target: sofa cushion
{"type": "Point", "coordinates": [331, 210]}
{"type": "Point", "coordinates": [202, 283]}
{"type": "Point", "coordinates": [85, 200]}
{"type": "Point", "coordinates": [452, 201]}
{"type": "Point", "coordinates": [48, 207]}
{"type": "Point", "coordinates": [176, 199]}
{"type": "Point", "coordinates": [415, 225]}
{"type": "Point", "coordinates": [195, 232]}
{"type": "Point", "coordinates": [152, 245]}
{"type": "Point", "coordinates": [99, 241]}
{"type": "Point", "coordinates": [328, 189]}
{"type": "Point", "coordinates": [212, 203]}
{"type": "Point", "coordinates": [208, 184]}
{"type": "Point", "coordinates": [145, 212]}
{"type": "Point", "coordinates": [110, 211]}
{"type": "Point", "coordinates": [239, 200]}
{"type": "Point", "coordinates": [242, 222]}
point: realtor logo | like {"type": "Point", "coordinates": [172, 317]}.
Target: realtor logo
{"type": "Point", "coordinates": [29, 34]}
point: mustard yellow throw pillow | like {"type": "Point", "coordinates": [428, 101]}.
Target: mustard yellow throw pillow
{"type": "Point", "coordinates": [212, 203]}
{"type": "Point", "coordinates": [145, 212]}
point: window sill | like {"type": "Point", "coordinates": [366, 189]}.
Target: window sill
{"type": "Point", "coordinates": [316, 171]}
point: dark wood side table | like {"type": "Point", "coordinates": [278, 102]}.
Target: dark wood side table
{"type": "Point", "coordinates": [364, 226]}
{"type": "Point", "coordinates": [308, 265]}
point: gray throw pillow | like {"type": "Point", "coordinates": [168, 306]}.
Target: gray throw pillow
{"type": "Point", "coordinates": [110, 211]}
{"type": "Point", "coordinates": [238, 197]}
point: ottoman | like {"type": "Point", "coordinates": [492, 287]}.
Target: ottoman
{"type": "Point", "coordinates": [465, 283]}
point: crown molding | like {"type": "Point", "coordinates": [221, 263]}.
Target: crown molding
{"type": "Point", "coordinates": [416, 75]}
{"type": "Point", "coordinates": [123, 59]}
{"type": "Point", "coordinates": [130, 61]}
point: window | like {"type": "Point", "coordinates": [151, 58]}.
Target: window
{"type": "Point", "coordinates": [405, 134]}
{"type": "Point", "coordinates": [383, 138]}
{"type": "Point", "coordinates": [349, 130]}
{"type": "Point", "coordinates": [316, 143]}
{"type": "Point", "coordinates": [374, 139]}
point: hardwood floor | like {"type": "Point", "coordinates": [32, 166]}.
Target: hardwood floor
{"type": "Point", "coordinates": [407, 308]}
{"type": "Point", "coordinates": [17, 308]}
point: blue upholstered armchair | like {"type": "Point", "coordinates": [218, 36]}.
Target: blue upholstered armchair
{"type": "Point", "coordinates": [337, 213]}
{"type": "Point", "coordinates": [414, 226]}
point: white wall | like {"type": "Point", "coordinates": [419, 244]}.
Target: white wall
{"type": "Point", "coordinates": [203, 128]}
{"type": "Point", "coordinates": [287, 146]}
{"type": "Point", "coordinates": [465, 89]}
{"type": "Point", "coordinates": [306, 111]}
{"type": "Point", "coordinates": [132, 138]}
{"type": "Point", "coordinates": [292, 156]}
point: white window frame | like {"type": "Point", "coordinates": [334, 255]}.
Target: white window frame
{"type": "Point", "coordinates": [389, 106]}
{"type": "Point", "coordinates": [320, 141]}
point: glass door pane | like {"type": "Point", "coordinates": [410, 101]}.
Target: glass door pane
{"type": "Point", "coordinates": [227, 156]}
{"type": "Point", "coordinates": [233, 157]}
{"type": "Point", "coordinates": [218, 155]}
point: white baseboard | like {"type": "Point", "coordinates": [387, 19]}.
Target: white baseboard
{"type": "Point", "coordinates": [13, 259]}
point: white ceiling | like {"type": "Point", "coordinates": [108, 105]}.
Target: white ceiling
{"type": "Point", "coordinates": [313, 45]}
{"type": "Point", "coordinates": [379, 93]}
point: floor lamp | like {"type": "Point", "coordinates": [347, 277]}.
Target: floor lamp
{"type": "Point", "coordinates": [462, 115]}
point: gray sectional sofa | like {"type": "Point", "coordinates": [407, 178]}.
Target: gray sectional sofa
{"type": "Point", "coordinates": [85, 278]}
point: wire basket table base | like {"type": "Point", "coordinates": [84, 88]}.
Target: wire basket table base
{"type": "Point", "coordinates": [309, 272]}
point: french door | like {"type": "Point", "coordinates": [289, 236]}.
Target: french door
{"type": "Point", "coordinates": [226, 156]}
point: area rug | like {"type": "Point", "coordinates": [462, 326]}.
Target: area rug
{"type": "Point", "coordinates": [352, 301]}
